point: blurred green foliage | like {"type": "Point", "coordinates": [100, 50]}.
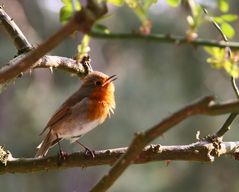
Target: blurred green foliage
{"type": "Point", "coordinates": [155, 79]}
{"type": "Point", "coordinates": [68, 9]}
{"type": "Point", "coordinates": [219, 60]}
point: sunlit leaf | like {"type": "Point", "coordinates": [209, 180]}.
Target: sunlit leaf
{"type": "Point", "coordinates": [229, 17]}
{"type": "Point", "coordinates": [83, 49]}
{"type": "Point", "coordinates": [223, 5]}
{"type": "Point", "coordinates": [100, 29]}
{"type": "Point", "coordinates": [72, 3]}
{"type": "Point", "coordinates": [231, 68]}
{"type": "Point", "coordinates": [66, 13]}
{"type": "Point", "coordinates": [215, 52]}
{"type": "Point", "coordinates": [214, 62]}
{"type": "Point", "coordinates": [228, 30]}
{"type": "Point", "coordinates": [173, 3]}
{"type": "Point", "coordinates": [218, 20]}
{"type": "Point", "coordinates": [196, 16]}
{"type": "Point", "coordinates": [66, 2]}
{"type": "Point", "coordinates": [190, 20]}
{"type": "Point", "coordinates": [116, 2]}
{"type": "Point", "coordinates": [68, 9]}
{"type": "Point", "coordinates": [218, 60]}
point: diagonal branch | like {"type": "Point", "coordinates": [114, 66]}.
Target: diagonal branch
{"type": "Point", "coordinates": [14, 32]}
{"type": "Point", "coordinates": [123, 157]}
{"type": "Point", "coordinates": [81, 21]}
{"type": "Point", "coordinates": [199, 152]}
{"type": "Point", "coordinates": [204, 106]}
{"type": "Point", "coordinates": [226, 126]}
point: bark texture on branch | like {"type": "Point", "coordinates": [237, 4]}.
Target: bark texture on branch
{"type": "Point", "coordinates": [205, 106]}
{"type": "Point", "coordinates": [81, 21]}
{"type": "Point", "coordinates": [201, 151]}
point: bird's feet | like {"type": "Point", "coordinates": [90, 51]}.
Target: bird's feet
{"type": "Point", "coordinates": [89, 152]}
{"type": "Point", "coordinates": [62, 156]}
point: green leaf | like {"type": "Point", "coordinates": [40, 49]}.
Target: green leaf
{"type": "Point", "coordinates": [68, 9]}
{"type": "Point", "coordinates": [66, 2]}
{"type": "Point", "coordinates": [116, 2]}
{"type": "Point", "coordinates": [218, 60]}
{"type": "Point", "coordinates": [190, 20]}
{"type": "Point", "coordinates": [66, 13]}
{"type": "Point", "coordinates": [83, 49]}
{"type": "Point", "coordinates": [216, 52]}
{"type": "Point", "coordinates": [228, 30]}
{"type": "Point", "coordinates": [72, 3]}
{"type": "Point", "coordinates": [229, 17]}
{"type": "Point", "coordinates": [223, 6]}
{"type": "Point", "coordinates": [218, 20]}
{"type": "Point", "coordinates": [100, 29]}
{"type": "Point", "coordinates": [231, 68]}
{"type": "Point", "coordinates": [173, 3]}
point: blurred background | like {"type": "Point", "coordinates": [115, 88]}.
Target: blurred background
{"type": "Point", "coordinates": [155, 80]}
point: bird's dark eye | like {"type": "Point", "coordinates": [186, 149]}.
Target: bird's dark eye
{"type": "Point", "coordinates": [98, 83]}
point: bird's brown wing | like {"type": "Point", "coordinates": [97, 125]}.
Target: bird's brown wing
{"type": "Point", "coordinates": [64, 110]}
{"type": "Point", "coordinates": [61, 113]}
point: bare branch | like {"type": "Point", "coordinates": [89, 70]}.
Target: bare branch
{"type": "Point", "coordinates": [226, 126]}
{"type": "Point", "coordinates": [204, 106]}
{"type": "Point", "coordinates": [199, 152]}
{"type": "Point", "coordinates": [14, 32]}
{"type": "Point", "coordinates": [82, 21]}
{"type": "Point", "coordinates": [55, 62]}
{"type": "Point", "coordinates": [62, 63]}
{"type": "Point", "coordinates": [165, 38]}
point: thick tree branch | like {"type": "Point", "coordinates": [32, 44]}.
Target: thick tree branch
{"type": "Point", "coordinates": [204, 106]}
{"type": "Point", "coordinates": [62, 63]}
{"type": "Point", "coordinates": [165, 38]}
{"type": "Point", "coordinates": [80, 69]}
{"type": "Point", "coordinates": [199, 151]}
{"type": "Point", "coordinates": [82, 21]}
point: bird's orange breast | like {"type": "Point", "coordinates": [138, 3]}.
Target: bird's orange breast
{"type": "Point", "coordinates": [103, 102]}
{"type": "Point", "coordinates": [98, 110]}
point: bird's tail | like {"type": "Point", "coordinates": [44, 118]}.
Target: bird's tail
{"type": "Point", "coordinates": [49, 141]}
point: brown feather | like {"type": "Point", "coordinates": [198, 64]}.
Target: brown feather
{"type": "Point", "coordinates": [49, 141]}
{"type": "Point", "coordinates": [81, 112]}
{"type": "Point", "coordinates": [64, 110]}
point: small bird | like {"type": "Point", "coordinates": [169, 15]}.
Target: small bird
{"type": "Point", "coordinates": [80, 113]}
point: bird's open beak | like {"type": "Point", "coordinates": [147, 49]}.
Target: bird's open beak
{"type": "Point", "coordinates": [109, 80]}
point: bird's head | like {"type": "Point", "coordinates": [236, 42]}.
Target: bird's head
{"type": "Point", "coordinates": [99, 86]}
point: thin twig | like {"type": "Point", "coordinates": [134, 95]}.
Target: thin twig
{"type": "Point", "coordinates": [204, 106]}
{"type": "Point", "coordinates": [165, 38]}
{"type": "Point", "coordinates": [235, 88]}
{"type": "Point", "coordinates": [226, 126]}
{"type": "Point", "coordinates": [232, 116]}
{"type": "Point", "coordinates": [216, 25]}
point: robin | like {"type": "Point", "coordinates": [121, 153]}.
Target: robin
{"type": "Point", "coordinates": [80, 113]}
